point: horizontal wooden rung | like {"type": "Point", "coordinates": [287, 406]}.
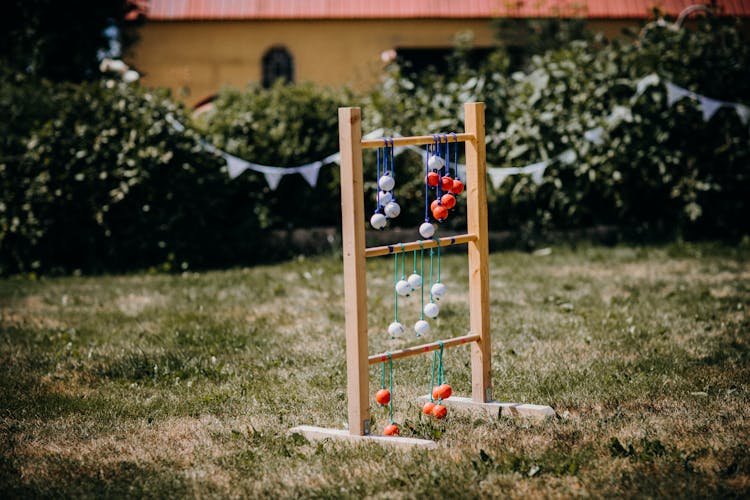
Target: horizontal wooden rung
{"type": "Point", "coordinates": [421, 349]}
{"type": "Point", "coordinates": [418, 140]}
{"type": "Point", "coordinates": [416, 245]}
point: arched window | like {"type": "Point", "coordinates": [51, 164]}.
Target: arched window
{"type": "Point", "coordinates": [277, 63]}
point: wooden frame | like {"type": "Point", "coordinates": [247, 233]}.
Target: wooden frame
{"type": "Point", "coordinates": [355, 279]}
{"type": "Point", "coordinates": [355, 253]}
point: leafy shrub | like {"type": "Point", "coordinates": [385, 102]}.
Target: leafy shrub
{"type": "Point", "coordinates": [103, 183]}
{"type": "Point", "coordinates": [286, 126]}
{"type": "Point", "coordinates": [660, 171]}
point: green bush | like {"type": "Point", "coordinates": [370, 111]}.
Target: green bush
{"type": "Point", "coordinates": [103, 183]}
{"type": "Point", "coordinates": [660, 171]}
{"type": "Point", "coordinates": [285, 126]}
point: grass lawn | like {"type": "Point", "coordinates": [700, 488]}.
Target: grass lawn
{"type": "Point", "coordinates": [185, 385]}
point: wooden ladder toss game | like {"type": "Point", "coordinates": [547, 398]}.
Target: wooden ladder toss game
{"type": "Point", "coordinates": [355, 285]}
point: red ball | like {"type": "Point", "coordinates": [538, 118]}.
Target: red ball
{"type": "Point", "coordinates": [433, 179]}
{"type": "Point", "coordinates": [446, 183]}
{"type": "Point", "coordinates": [444, 391]}
{"type": "Point", "coordinates": [434, 204]}
{"type": "Point", "coordinates": [427, 408]}
{"type": "Point", "coordinates": [458, 187]}
{"type": "Point", "coordinates": [440, 212]}
{"type": "Point", "coordinates": [439, 411]}
{"type": "Point", "coordinates": [383, 396]}
{"type": "Point", "coordinates": [391, 430]}
{"type": "Point", "coordinates": [448, 201]}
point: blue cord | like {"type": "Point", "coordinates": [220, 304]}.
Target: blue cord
{"type": "Point", "coordinates": [455, 153]}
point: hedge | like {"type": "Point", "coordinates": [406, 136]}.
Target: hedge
{"type": "Point", "coordinates": [93, 177]}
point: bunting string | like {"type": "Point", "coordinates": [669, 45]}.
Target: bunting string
{"type": "Point", "coordinates": [273, 174]}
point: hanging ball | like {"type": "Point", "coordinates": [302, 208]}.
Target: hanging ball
{"type": "Point", "coordinates": [431, 310]}
{"type": "Point", "coordinates": [444, 391]}
{"type": "Point", "coordinates": [434, 203]}
{"type": "Point", "coordinates": [440, 213]}
{"type": "Point", "coordinates": [396, 329]}
{"type": "Point", "coordinates": [415, 281]}
{"type": "Point", "coordinates": [435, 162]}
{"type": "Point", "coordinates": [391, 430]}
{"type": "Point", "coordinates": [458, 187]}
{"type": "Point", "coordinates": [387, 183]}
{"type": "Point", "coordinates": [439, 411]}
{"type": "Point", "coordinates": [403, 288]}
{"type": "Point", "coordinates": [422, 327]}
{"type": "Point", "coordinates": [392, 209]}
{"type": "Point", "coordinates": [378, 221]}
{"type": "Point", "coordinates": [426, 230]}
{"type": "Point", "coordinates": [435, 393]}
{"type": "Point", "coordinates": [447, 200]}
{"type": "Point", "coordinates": [384, 197]}
{"type": "Point", "coordinates": [433, 179]}
{"type": "Point", "coordinates": [438, 290]}
{"type": "Point", "coordinates": [383, 396]}
{"type": "Point", "coordinates": [446, 183]}
{"type": "Point", "coordinates": [428, 407]}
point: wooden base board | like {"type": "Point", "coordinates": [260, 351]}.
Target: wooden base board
{"type": "Point", "coordinates": [313, 433]}
{"type": "Point", "coordinates": [497, 408]}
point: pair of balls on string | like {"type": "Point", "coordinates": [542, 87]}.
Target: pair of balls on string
{"type": "Point", "coordinates": [405, 287]}
{"type": "Point", "coordinates": [451, 187]}
{"type": "Point", "coordinates": [439, 393]}
{"type": "Point", "coordinates": [435, 410]}
{"type": "Point", "coordinates": [387, 206]}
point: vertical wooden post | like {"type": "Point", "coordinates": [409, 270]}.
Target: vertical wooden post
{"type": "Point", "coordinates": [479, 274]}
{"type": "Point", "coordinates": [355, 284]}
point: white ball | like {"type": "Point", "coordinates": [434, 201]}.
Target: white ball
{"type": "Point", "coordinates": [427, 230]}
{"type": "Point", "coordinates": [435, 162]}
{"type": "Point", "coordinates": [403, 288]}
{"type": "Point", "coordinates": [130, 76]}
{"type": "Point", "coordinates": [378, 221]}
{"type": "Point", "coordinates": [431, 310]}
{"type": "Point", "coordinates": [438, 290]}
{"type": "Point", "coordinates": [384, 197]}
{"type": "Point", "coordinates": [422, 327]}
{"type": "Point", "coordinates": [396, 329]}
{"type": "Point", "coordinates": [392, 209]}
{"type": "Point", "coordinates": [387, 183]}
{"type": "Point", "coordinates": [415, 281]}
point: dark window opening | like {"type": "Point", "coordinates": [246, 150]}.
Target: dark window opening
{"type": "Point", "coordinates": [419, 60]}
{"type": "Point", "coordinates": [277, 65]}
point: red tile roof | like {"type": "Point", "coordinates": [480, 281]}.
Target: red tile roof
{"type": "Point", "coordinates": [413, 9]}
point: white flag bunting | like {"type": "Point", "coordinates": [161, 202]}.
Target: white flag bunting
{"type": "Point", "coordinates": [310, 172]}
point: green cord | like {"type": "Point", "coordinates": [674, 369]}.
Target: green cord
{"type": "Point", "coordinates": [414, 259]}
{"type": "Point", "coordinates": [437, 240]}
{"type": "Point", "coordinates": [403, 262]}
{"type": "Point", "coordinates": [432, 381]}
{"type": "Point", "coordinates": [431, 282]}
{"type": "Point", "coordinates": [382, 375]}
{"type": "Point", "coordinates": [421, 272]}
{"type": "Point", "coordinates": [395, 293]}
{"type": "Point", "coordinates": [390, 382]}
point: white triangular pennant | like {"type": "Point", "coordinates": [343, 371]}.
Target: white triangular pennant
{"type": "Point", "coordinates": [273, 179]}
{"type": "Point", "coordinates": [743, 112]}
{"type": "Point", "coordinates": [310, 173]}
{"type": "Point", "coordinates": [646, 82]}
{"type": "Point", "coordinates": [235, 165]}
{"type": "Point", "coordinates": [709, 107]}
{"type": "Point", "coordinates": [498, 175]}
{"type": "Point", "coordinates": [675, 93]}
{"type": "Point", "coordinates": [594, 135]}
{"type": "Point", "coordinates": [537, 171]}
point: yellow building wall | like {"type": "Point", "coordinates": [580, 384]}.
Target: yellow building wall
{"type": "Point", "coordinates": [197, 58]}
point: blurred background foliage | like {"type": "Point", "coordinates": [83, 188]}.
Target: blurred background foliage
{"type": "Point", "coordinates": [93, 177]}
